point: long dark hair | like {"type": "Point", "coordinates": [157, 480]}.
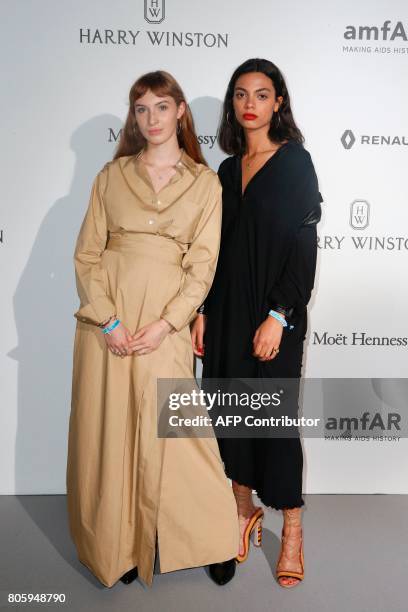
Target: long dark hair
{"type": "Point", "coordinates": [231, 136]}
{"type": "Point", "coordinates": [160, 83]}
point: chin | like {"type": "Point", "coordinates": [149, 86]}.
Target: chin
{"type": "Point", "coordinates": [156, 140]}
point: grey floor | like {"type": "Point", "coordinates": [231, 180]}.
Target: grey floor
{"type": "Point", "coordinates": [356, 559]}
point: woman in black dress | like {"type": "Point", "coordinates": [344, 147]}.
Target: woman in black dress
{"type": "Point", "coordinates": [254, 320]}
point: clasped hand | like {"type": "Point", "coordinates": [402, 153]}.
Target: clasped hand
{"type": "Point", "coordinates": [147, 339]}
{"type": "Point", "coordinates": [267, 339]}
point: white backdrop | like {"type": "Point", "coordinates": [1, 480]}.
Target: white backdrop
{"type": "Point", "coordinates": [67, 69]}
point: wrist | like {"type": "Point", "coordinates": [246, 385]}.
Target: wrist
{"type": "Point", "coordinates": [165, 325]}
{"type": "Point", "coordinates": [107, 329]}
{"type": "Point", "coordinates": [278, 317]}
{"type": "Point", "coordinates": [107, 321]}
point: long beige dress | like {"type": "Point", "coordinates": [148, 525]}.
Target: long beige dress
{"type": "Point", "coordinates": [143, 256]}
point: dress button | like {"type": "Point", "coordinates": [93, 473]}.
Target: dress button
{"type": "Point", "coordinates": [151, 221]}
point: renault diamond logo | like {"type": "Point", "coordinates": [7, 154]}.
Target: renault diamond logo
{"type": "Point", "coordinates": [359, 214]}
{"type": "Point", "coordinates": [348, 139]}
{"type": "Point", "coordinates": [154, 11]}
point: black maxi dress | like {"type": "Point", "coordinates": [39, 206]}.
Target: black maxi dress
{"type": "Point", "coordinates": [267, 260]}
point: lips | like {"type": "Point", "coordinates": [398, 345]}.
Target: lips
{"type": "Point", "coordinates": [250, 116]}
{"type": "Point", "coordinates": [155, 131]}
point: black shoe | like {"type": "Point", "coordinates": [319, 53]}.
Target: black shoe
{"type": "Point", "coordinates": [222, 573]}
{"type": "Point", "coordinates": [130, 576]}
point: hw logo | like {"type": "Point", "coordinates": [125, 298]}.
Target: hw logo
{"type": "Point", "coordinates": [348, 139]}
{"type": "Point", "coordinates": [154, 11]}
{"type": "Point", "coordinates": [359, 214]}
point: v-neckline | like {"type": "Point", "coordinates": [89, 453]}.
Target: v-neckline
{"type": "Point", "coordinates": [257, 172]}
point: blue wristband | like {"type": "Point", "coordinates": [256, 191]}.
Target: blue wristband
{"type": "Point", "coordinates": [111, 327]}
{"type": "Point", "coordinates": [278, 317]}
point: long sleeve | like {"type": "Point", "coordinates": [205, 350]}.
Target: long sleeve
{"type": "Point", "coordinates": [199, 263]}
{"type": "Point", "coordinates": [95, 306]}
{"type": "Point", "coordinates": [293, 289]}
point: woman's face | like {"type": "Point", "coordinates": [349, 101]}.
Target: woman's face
{"type": "Point", "coordinates": [255, 100]}
{"type": "Point", "coordinates": [157, 116]}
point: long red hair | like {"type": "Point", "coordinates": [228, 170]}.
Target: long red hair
{"type": "Point", "coordinates": [160, 83]}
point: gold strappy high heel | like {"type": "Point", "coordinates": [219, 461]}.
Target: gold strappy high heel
{"type": "Point", "coordinates": [282, 572]}
{"type": "Point", "coordinates": [254, 527]}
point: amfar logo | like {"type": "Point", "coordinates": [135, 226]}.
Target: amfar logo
{"type": "Point", "coordinates": [376, 33]}
{"type": "Point", "coordinates": [348, 139]}
{"type": "Point", "coordinates": [359, 214]}
{"type": "Point", "coordinates": [154, 11]}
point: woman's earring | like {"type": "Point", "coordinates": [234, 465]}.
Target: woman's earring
{"type": "Point", "coordinates": [228, 118]}
{"type": "Point", "coordinates": [134, 131]}
{"type": "Point", "coordinates": [178, 127]}
{"type": "Point", "coordinates": [279, 119]}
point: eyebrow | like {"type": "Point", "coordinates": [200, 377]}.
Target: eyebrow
{"type": "Point", "coordinates": [157, 103]}
{"type": "Point", "coordinates": [256, 91]}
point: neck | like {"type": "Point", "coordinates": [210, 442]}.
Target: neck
{"type": "Point", "coordinates": [164, 154]}
{"type": "Point", "coordinates": [257, 141]}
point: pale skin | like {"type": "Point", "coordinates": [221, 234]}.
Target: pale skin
{"type": "Point", "coordinates": [254, 94]}
{"type": "Point", "coordinates": [157, 119]}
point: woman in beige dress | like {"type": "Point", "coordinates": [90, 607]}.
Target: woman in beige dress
{"type": "Point", "coordinates": [145, 256]}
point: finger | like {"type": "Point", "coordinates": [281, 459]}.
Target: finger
{"type": "Point", "coordinates": [143, 352]}
{"type": "Point", "coordinates": [197, 341]}
{"type": "Point", "coordinates": [198, 349]}
{"type": "Point", "coordinates": [274, 353]}
{"type": "Point", "coordinates": [136, 346]}
{"type": "Point", "coordinates": [200, 339]}
{"type": "Point", "coordinates": [265, 354]}
{"type": "Point", "coordinates": [258, 349]}
{"type": "Point", "coordinates": [120, 348]}
{"type": "Point", "coordinates": [139, 333]}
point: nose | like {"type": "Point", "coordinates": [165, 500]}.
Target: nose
{"type": "Point", "coordinates": [152, 120]}
{"type": "Point", "coordinates": [249, 102]}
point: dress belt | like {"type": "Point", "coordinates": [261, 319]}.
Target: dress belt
{"type": "Point", "coordinates": [151, 246]}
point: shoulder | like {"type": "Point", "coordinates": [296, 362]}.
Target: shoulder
{"type": "Point", "coordinates": [206, 175]}
{"type": "Point", "coordinates": [296, 158]}
{"type": "Point", "coordinates": [118, 163]}
{"type": "Point", "coordinates": [206, 172]}
{"type": "Point", "coordinates": [113, 165]}
{"type": "Point", "coordinates": [197, 169]}
{"type": "Point", "coordinates": [227, 171]}
{"type": "Point", "coordinates": [298, 171]}
{"type": "Point", "coordinates": [227, 165]}
{"type": "Point", "coordinates": [210, 182]}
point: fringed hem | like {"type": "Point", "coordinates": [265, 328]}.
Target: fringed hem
{"type": "Point", "coordinates": [269, 502]}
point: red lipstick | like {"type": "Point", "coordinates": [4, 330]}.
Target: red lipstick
{"type": "Point", "coordinates": [250, 116]}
